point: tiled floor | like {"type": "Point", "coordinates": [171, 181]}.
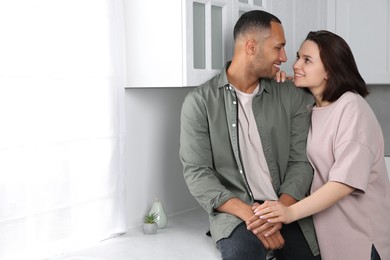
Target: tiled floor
{"type": "Point", "coordinates": [183, 238]}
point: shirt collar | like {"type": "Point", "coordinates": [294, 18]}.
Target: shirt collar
{"type": "Point", "coordinates": [223, 81]}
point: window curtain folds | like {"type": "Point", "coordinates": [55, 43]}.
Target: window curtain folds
{"type": "Point", "coordinates": [62, 77]}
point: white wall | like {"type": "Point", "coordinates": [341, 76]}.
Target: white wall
{"type": "Point", "coordinates": [379, 101]}
{"type": "Point", "coordinates": [153, 167]}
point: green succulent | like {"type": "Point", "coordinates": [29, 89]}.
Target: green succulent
{"type": "Point", "coordinates": [150, 218]}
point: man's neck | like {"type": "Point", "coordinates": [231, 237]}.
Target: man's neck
{"type": "Point", "coordinates": [237, 76]}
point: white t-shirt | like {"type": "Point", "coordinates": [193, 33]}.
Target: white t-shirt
{"type": "Point", "coordinates": [255, 165]}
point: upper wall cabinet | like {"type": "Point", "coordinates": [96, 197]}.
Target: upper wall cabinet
{"type": "Point", "coordinates": [186, 42]}
{"type": "Point", "coordinates": [175, 43]}
{"type": "Point", "coordinates": [298, 17]}
{"type": "Point", "coordinates": [365, 25]}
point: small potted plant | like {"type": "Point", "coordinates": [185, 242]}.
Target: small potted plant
{"type": "Point", "coordinates": [150, 226]}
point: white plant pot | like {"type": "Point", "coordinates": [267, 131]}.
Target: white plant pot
{"type": "Point", "coordinates": [148, 228]}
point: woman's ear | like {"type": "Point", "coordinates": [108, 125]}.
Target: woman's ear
{"type": "Point", "coordinates": [326, 76]}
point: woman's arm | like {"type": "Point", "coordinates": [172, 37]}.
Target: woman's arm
{"type": "Point", "coordinates": [323, 198]}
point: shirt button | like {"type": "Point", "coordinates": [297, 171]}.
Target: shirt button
{"type": "Point", "coordinates": [234, 125]}
{"type": "Point", "coordinates": [234, 102]}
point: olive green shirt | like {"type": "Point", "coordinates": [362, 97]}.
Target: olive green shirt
{"type": "Point", "coordinates": [209, 148]}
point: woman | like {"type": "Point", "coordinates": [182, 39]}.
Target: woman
{"type": "Point", "coordinates": [350, 194]}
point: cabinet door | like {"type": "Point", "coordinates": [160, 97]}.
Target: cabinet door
{"type": "Point", "coordinates": [154, 47]}
{"type": "Point", "coordinates": [175, 43]}
{"type": "Point", "coordinates": [206, 35]}
{"type": "Point", "coordinates": [365, 25]}
{"type": "Point", "coordinates": [186, 42]}
{"type": "Point", "coordinates": [298, 17]}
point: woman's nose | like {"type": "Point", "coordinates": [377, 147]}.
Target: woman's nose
{"type": "Point", "coordinates": [296, 64]}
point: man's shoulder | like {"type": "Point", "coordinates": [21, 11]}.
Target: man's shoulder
{"type": "Point", "coordinates": [208, 89]}
{"type": "Point", "coordinates": [286, 88]}
{"type": "Point", "coordinates": [273, 85]}
{"type": "Point", "coordinates": [286, 92]}
{"type": "Point", "coordinates": [204, 98]}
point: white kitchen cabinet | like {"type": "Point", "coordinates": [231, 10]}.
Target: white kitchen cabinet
{"type": "Point", "coordinates": [365, 25]}
{"type": "Point", "coordinates": [175, 42]}
{"type": "Point", "coordinates": [298, 18]}
{"type": "Point", "coordinates": [237, 8]}
{"type": "Point", "coordinates": [185, 42]}
{"type": "Point", "coordinates": [206, 37]}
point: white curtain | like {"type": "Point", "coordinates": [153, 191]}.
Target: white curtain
{"type": "Point", "coordinates": [61, 136]}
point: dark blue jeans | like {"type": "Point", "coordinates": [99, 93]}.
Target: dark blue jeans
{"type": "Point", "coordinates": [374, 254]}
{"type": "Point", "coordinates": [243, 244]}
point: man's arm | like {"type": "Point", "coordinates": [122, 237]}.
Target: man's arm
{"type": "Point", "coordinates": [299, 173]}
{"type": "Point", "coordinates": [287, 200]}
{"type": "Point", "coordinates": [197, 158]}
{"type": "Point", "coordinates": [237, 208]}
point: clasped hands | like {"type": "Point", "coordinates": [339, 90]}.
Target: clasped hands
{"type": "Point", "coordinates": [268, 233]}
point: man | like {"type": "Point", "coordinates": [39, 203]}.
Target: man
{"type": "Point", "coordinates": [243, 140]}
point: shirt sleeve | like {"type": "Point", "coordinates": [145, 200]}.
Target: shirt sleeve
{"type": "Point", "coordinates": [299, 173]}
{"type": "Point", "coordinates": [352, 154]}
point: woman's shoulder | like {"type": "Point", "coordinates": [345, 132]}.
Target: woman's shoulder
{"type": "Point", "coordinates": [351, 99]}
{"type": "Point", "coordinates": [354, 105]}
{"type": "Point", "coordinates": [350, 96]}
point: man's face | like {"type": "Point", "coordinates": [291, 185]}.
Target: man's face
{"type": "Point", "coordinates": [271, 53]}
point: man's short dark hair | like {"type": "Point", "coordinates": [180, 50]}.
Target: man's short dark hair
{"type": "Point", "coordinates": [254, 20]}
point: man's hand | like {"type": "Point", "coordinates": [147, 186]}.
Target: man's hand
{"type": "Point", "coordinates": [268, 233]}
{"type": "Point", "coordinates": [262, 226]}
{"type": "Point", "coordinates": [271, 228]}
{"type": "Point", "coordinates": [244, 211]}
{"type": "Point", "coordinates": [271, 242]}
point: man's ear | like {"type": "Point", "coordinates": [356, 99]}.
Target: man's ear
{"type": "Point", "coordinates": [250, 47]}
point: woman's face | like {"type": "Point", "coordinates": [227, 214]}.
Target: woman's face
{"type": "Point", "coordinates": [309, 71]}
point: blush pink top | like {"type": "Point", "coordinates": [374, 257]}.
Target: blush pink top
{"type": "Point", "coordinates": [345, 144]}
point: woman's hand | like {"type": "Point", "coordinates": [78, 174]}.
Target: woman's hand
{"type": "Point", "coordinates": [274, 212]}
{"type": "Point", "coordinates": [281, 76]}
